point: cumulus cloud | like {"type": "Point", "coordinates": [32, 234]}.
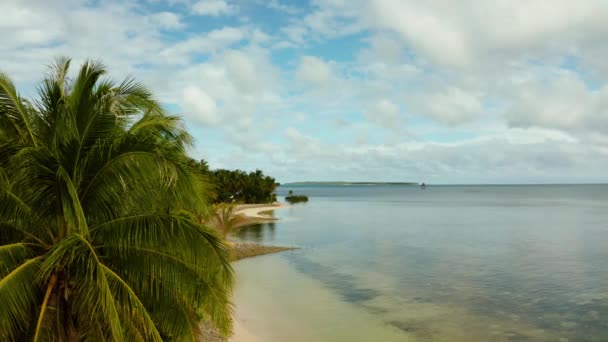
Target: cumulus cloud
{"type": "Point", "coordinates": [213, 7]}
{"type": "Point", "coordinates": [210, 42]}
{"type": "Point", "coordinates": [439, 39]}
{"type": "Point", "coordinates": [493, 91]}
{"type": "Point", "coordinates": [383, 49]}
{"type": "Point", "coordinates": [246, 88]}
{"type": "Point", "coordinates": [199, 106]}
{"type": "Point", "coordinates": [564, 102]}
{"type": "Point", "coordinates": [167, 20]}
{"type": "Point", "coordinates": [314, 71]}
{"type": "Point", "coordinates": [451, 106]}
{"type": "Point", "coordinates": [281, 7]}
{"type": "Point", "coordinates": [385, 114]}
{"type": "Point", "coordinates": [242, 71]}
{"type": "Point", "coordinates": [468, 32]}
{"type": "Point", "coordinates": [541, 156]}
{"type": "Point", "coordinates": [36, 31]}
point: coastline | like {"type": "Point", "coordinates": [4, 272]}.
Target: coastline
{"type": "Point", "coordinates": [241, 334]}
{"type": "Point", "coordinates": [254, 213]}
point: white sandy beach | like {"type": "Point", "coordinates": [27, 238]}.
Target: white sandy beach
{"type": "Point", "coordinates": [254, 210]}
{"type": "Point", "coordinates": [241, 333]}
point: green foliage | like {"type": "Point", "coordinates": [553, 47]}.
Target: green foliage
{"type": "Point", "coordinates": [99, 217]}
{"type": "Point", "coordinates": [236, 186]}
{"type": "Point", "coordinates": [296, 198]}
{"type": "Point", "coordinates": [224, 219]}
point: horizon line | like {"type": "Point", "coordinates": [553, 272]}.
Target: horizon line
{"type": "Point", "coordinates": [427, 183]}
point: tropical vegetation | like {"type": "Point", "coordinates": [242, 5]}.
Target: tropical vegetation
{"type": "Point", "coordinates": [100, 215]}
{"type": "Point", "coordinates": [224, 218]}
{"type": "Point", "coordinates": [237, 186]}
{"type": "Point", "coordinates": [293, 198]}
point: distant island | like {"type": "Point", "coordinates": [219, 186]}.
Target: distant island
{"type": "Point", "coordinates": [351, 183]}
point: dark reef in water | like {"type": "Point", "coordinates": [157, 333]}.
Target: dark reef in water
{"type": "Point", "coordinates": [342, 283]}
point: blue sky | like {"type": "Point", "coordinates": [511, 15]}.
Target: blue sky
{"type": "Point", "coordinates": [470, 91]}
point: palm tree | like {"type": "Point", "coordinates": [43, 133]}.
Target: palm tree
{"type": "Point", "coordinates": [98, 232]}
{"type": "Point", "coordinates": [224, 219]}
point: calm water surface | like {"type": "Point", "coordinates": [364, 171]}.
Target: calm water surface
{"type": "Point", "coordinates": [448, 263]}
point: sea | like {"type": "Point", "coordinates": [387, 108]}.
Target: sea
{"type": "Point", "coordinates": [444, 263]}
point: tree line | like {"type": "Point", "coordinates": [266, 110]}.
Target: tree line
{"type": "Point", "coordinates": [236, 186]}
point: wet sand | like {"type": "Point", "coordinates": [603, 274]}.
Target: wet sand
{"type": "Point", "coordinates": [255, 213]}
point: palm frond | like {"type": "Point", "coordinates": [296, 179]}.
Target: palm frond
{"type": "Point", "coordinates": [12, 255]}
{"type": "Point", "coordinates": [100, 216]}
{"type": "Point", "coordinates": [75, 256]}
{"type": "Point", "coordinates": [41, 315]}
{"type": "Point", "coordinates": [130, 303]}
{"type": "Point", "coordinates": [14, 115]}
{"type": "Point", "coordinates": [19, 292]}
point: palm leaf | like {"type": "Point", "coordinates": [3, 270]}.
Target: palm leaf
{"type": "Point", "coordinates": [19, 292]}
{"type": "Point", "coordinates": [100, 216]}
{"type": "Point", "coordinates": [14, 115]}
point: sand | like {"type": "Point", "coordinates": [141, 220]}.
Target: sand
{"type": "Point", "coordinates": [254, 214]}
{"type": "Point", "coordinates": [240, 333]}
{"type": "Point", "coordinates": [255, 211]}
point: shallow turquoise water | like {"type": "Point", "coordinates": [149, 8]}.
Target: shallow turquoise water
{"type": "Point", "coordinates": [445, 263]}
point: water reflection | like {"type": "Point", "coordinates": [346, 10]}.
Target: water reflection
{"type": "Point", "coordinates": [260, 232]}
{"type": "Point", "coordinates": [458, 264]}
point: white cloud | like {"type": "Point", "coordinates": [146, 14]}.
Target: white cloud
{"type": "Point", "coordinates": [203, 43]}
{"type": "Point", "coordinates": [199, 106]}
{"type": "Point", "coordinates": [314, 71]}
{"type": "Point", "coordinates": [213, 8]}
{"type": "Point", "coordinates": [246, 88]}
{"type": "Point", "coordinates": [242, 71]}
{"type": "Point", "coordinates": [513, 90]}
{"type": "Point", "coordinates": [452, 106]}
{"type": "Point", "coordinates": [466, 33]}
{"type": "Point", "coordinates": [168, 20]}
{"type": "Point", "coordinates": [296, 34]}
{"type": "Point", "coordinates": [516, 155]}
{"type": "Point", "coordinates": [385, 114]}
{"type": "Point", "coordinates": [281, 6]}
{"type": "Point", "coordinates": [384, 49]}
{"type": "Point", "coordinates": [26, 25]}
{"type": "Point", "coordinates": [439, 38]}
{"type": "Point", "coordinates": [563, 101]}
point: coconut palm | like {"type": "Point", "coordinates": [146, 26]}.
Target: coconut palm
{"type": "Point", "coordinates": [99, 237]}
{"type": "Point", "coordinates": [224, 219]}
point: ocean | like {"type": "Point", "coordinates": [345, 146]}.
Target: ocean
{"type": "Point", "coordinates": [445, 263]}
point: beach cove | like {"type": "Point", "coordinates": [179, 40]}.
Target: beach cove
{"type": "Point", "coordinates": [446, 263]}
{"type": "Point", "coordinates": [257, 286]}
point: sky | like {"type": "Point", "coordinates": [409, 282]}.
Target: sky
{"type": "Point", "coordinates": [468, 91]}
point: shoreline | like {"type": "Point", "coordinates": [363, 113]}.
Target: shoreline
{"type": "Point", "coordinates": [254, 212]}
{"type": "Point", "coordinates": [240, 333]}
{"type": "Point", "coordinates": [242, 250]}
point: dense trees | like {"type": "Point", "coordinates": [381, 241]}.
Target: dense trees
{"type": "Point", "coordinates": [99, 235]}
{"type": "Point", "coordinates": [293, 198]}
{"type": "Point", "coordinates": [236, 185]}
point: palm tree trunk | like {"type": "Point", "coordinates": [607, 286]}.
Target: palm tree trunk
{"type": "Point", "coordinates": [66, 329]}
{"type": "Point", "coordinates": [70, 330]}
